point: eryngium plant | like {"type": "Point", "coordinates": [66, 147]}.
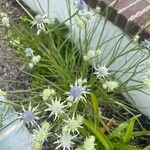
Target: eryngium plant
{"type": "Point", "coordinates": [72, 74]}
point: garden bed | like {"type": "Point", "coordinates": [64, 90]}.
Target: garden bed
{"type": "Point", "coordinates": [79, 99]}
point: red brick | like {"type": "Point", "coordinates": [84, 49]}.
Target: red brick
{"type": "Point", "coordinates": [134, 9]}
{"type": "Point", "coordinates": [120, 13]}
{"type": "Point", "coordinates": [143, 18]}
{"type": "Point", "coordinates": [123, 3]}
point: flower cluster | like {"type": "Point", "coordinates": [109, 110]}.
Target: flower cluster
{"type": "Point", "coordinates": [4, 19]}
{"type": "Point", "coordinates": [79, 22]}
{"type": "Point", "coordinates": [89, 143]}
{"type": "Point", "coordinates": [72, 124]}
{"type": "Point", "coordinates": [91, 54]}
{"type": "Point", "coordinates": [110, 85]}
{"type": "Point", "coordinates": [48, 94]}
{"type": "Point", "coordinates": [34, 59]}
{"type": "Point", "coordinates": [84, 15]}
{"type": "Point", "coordinates": [102, 73]}
{"type": "Point", "coordinates": [40, 21]}
{"type": "Point", "coordinates": [40, 135]}
{"type": "Point", "coordinates": [64, 140]}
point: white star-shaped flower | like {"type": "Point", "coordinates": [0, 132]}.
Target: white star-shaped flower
{"type": "Point", "coordinates": [30, 115]}
{"type": "Point", "coordinates": [77, 91]}
{"type": "Point", "coordinates": [40, 21]}
{"type": "Point", "coordinates": [65, 141]}
{"type": "Point", "coordinates": [56, 107]}
{"type": "Point", "coordinates": [101, 71]}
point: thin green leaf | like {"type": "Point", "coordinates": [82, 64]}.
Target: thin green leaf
{"type": "Point", "coordinates": [119, 146]}
{"type": "Point", "coordinates": [129, 131]}
{"type": "Point", "coordinates": [141, 133]}
{"type": "Point", "coordinates": [95, 108]}
{"type": "Point", "coordinates": [118, 131]}
{"type": "Point", "coordinates": [100, 136]}
{"type": "Point", "coordinates": [147, 148]}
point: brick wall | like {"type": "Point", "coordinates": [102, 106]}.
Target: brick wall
{"type": "Point", "coordinates": [127, 14]}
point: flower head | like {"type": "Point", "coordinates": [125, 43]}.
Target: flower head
{"type": "Point", "coordinates": [28, 52]}
{"type": "Point", "coordinates": [35, 146]}
{"type": "Point", "coordinates": [48, 94]}
{"type": "Point", "coordinates": [98, 9]}
{"type": "Point", "coordinates": [56, 107]}
{"type": "Point", "coordinates": [136, 38]}
{"type": "Point", "coordinates": [79, 22]}
{"type": "Point", "coordinates": [146, 83]}
{"type": "Point", "coordinates": [36, 59]}
{"type": "Point", "coordinates": [110, 85]}
{"type": "Point", "coordinates": [72, 124]}
{"type": "Point", "coordinates": [30, 115]}
{"type": "Point", "coordinates": [31, 65]}
{"type": "Point", "coordinates": [91, 54]}
{"type": "Point", "coordinates": [89, 143]}
{"type": "Point", "coordinates": [101, 71]}
{"type": "Point", "coordinates": [98, 52]}
{"type": "Point", "coordinates": [80, 5]}
{"type": "Point", "coordinates": [5, 21]}
{"type": "Point", "coordinates": [146, 43]}
{"type": "Point", "coordinates": [41, 134]}
{"type": "Point", "coordinates": [40, 22]}
{"type": "Point", "coordinates": [77, 91]}
{"type": "Point", "coordinates": [87, 16]}
{"type": "Point", "coordinates": [2, 14]}
{"type": "Point", "coordinates": [65, 141]}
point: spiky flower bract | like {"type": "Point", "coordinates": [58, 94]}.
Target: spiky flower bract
{"type": "Point", "coordinates": [110, 85]}
{"type": "Point", "coordinates": [91, 54]}
{"type": "Point", "coordinates": [72, 124]}
{"type": "Point", "coordinates": [28, 52]}
{"type": "Point", "coordinates": [40, 21]}
{"type": "Point", "coordinates": [65, 141]}
{"type": "Point", "coordinates": [29, 116]}
{"type": "Point", "coordinates": [41, 134]}
{"type": "Point", "coordinates": [77, 91]}
{"type": "Point", "coordinates": [56, 107]}
{"type": "Point", "coordinates": [87, 16]}
{"type": "Point", "coordinates": [79, 22]}
{"type": "Point", "coordinates": [4, 19]}
{"type": "Point", "coordinates": [89, 143]}
{"type": "Point", "coordinates": [101, 71]}
{"type": "Point", "coordinates": [146, 43]}
{"type": "Point", "coordinates": [146, 83]}
{"type": "Point", "coordinates": [80, 5]}
{"type": "Point", "coordinates": [35, 59]}
{"type": "Point", "coordinates": [48, 94]}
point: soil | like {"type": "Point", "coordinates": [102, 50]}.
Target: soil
{"type": "Point", "coordinates": [9, 67]}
